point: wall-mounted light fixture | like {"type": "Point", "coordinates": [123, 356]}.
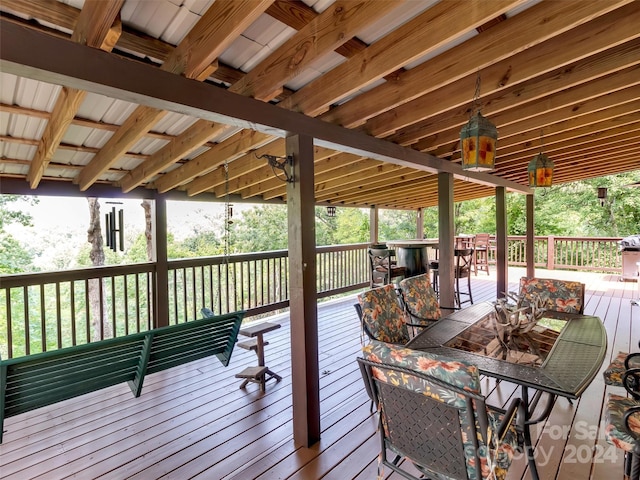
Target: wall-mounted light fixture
{"type": "Point", "coordinates": [478, 138]}
{"type": "Point", "coordinates": [285, 164]}
{"type": "Point", "coordinates": [331, 211]}
{"type": "Point", "coordinates": [112, 227]}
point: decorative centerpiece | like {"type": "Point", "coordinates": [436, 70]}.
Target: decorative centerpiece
{"type": "Point", "coordinates": [513, 323]}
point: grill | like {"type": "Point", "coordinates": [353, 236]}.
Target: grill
{"type": "Point", "coordinates": [630, 248]}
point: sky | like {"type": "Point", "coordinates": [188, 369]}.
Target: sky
{"type": "Point", "coordinates": [60, 223]}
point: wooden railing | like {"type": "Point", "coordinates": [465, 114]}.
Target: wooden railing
{"type": "Point", "coordinates": [567, 253]}
{"type": "Point", "coordinates": [45, 311]}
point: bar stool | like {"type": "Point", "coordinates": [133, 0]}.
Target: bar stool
{"type": "Point", "coordinates": [482, 246]}
{"type": "Point", "coordinates": [463, 266]}
{"type": "Point", "coordinates": [383, 266]}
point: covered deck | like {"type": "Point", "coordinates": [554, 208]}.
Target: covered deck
{"type": "Point", "coordinates": [194, 422]}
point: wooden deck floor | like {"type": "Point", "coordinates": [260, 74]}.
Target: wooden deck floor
{"type": "Point", "coordinates": [194, 422]}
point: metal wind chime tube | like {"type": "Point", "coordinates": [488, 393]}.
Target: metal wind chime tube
{"type": "Point", "coordinates": [112, 228]}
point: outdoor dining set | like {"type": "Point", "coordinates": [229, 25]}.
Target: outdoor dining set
{"type": "Point", "coordinates": [422, 365]}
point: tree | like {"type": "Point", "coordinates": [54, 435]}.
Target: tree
{"type": "Point", "coordinates": [14, 257]}
{"type": "Point", "coordinates": [100, 323]}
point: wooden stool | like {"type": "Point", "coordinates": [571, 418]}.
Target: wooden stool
{"type": "Point", "coordinates": [259, 374]}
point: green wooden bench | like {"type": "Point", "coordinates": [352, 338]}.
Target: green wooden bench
{"type": "Point", "coordinates": [34, 381]}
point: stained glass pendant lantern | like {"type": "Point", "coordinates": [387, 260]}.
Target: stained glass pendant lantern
{"type": "Point", "coordinates": [478, 140]}
{"type": "Point", "coordinates": [540, 171]}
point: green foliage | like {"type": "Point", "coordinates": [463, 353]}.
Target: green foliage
{"type": "Point", "coordinates": [352, 226]}
{"type": "Point", "coordinates": [396, 224]}
{"type": "Point", "coordinates": [260, 229]}
{"type": "Point", "coordinates": [14, 257]}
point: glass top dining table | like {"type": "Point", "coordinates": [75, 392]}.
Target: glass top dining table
{"type": "Point", "coordinates": [569, 351]}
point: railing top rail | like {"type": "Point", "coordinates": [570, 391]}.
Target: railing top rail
{"type": "Point", "coordinates": [38, 278]}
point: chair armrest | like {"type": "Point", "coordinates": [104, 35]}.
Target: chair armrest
{"type": "Point", "coordinates": [632, 356]}
{"type": "Point", "coordinates": [631, 382]}
{"type": "Point", "coordinates": [626, 419]}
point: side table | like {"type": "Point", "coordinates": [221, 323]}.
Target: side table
{"type": "Point", "coordinates": [261, 373]}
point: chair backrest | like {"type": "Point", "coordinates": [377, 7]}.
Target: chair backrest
{"type": "Point", "coordinates": [464, 261]}
{"type": "Point", "coordinates": [482, 240]}
{"type": "Point", "coordinates": [559, 295]}
{"type": "Point", "coordinates": [419, 298]}
{"type": "Point", "coordinates": [380, 264]}
{"type": "Point", "coordinates": [381, 315]}
{"type": "Point", "coordinates": [431, 411]}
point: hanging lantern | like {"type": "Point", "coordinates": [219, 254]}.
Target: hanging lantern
{"type": "Point", "coordinates": [478, 140]}
{"type": "Point", "coordinates": [602, 195]}
{"type": "Point", "coordinates": [331, 211]}
{"type": "Point", "coordinates": [540, 171]}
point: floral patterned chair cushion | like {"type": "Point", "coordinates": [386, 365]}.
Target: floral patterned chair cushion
{"type": "Point", "coordinates": [622, 362]}
{"type": "Point", "coordinates": [382, 317]}
{"type": "Point", "coordinates": [420, 299]}
{"type": "Point", "coordinates": [496, 459]}
{"type": "Point", "coordinates": [560, 295]}
{"type": "Point", "coordinates": [616, 432]}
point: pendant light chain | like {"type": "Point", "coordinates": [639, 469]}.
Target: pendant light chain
{"type": "Point", "coordinates": [227, 212]}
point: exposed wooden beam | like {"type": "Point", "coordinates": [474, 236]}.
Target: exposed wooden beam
{"type": "Point", "coordinates": [97, 26]}
{"type": "Point", "coordinates": [65, 63]}
{"type": "Point", "coordinates": [334, 27]}
{"type": "Point", "coordinates": [445, 22]}
{"type": "Point", "coordinates": [216, 29]}
{"type": "Point", "coordinates": [531, 27]}
{"type": "Point", "coordinates": [577, 56]}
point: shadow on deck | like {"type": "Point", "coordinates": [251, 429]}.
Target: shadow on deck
{"type": "Point", "coordinates": [194, 422]}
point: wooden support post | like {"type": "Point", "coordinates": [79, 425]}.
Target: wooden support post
{"type": "Point", "coordinates": [501, 242]}
{"type": "Point", "coordinates": [373, 225]}
{"type": "Point", "coordinates": [420, 223]}
{"type": "Point", "coordinates": [303, 294]}
{"type": "Point", "coordinates": [530, 243]}
{"type": "Point", "coordinates": [161, 287]}
{"type": "Point", "coordinates": [446, 239]}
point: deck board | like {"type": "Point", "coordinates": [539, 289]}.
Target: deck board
{"type": "Point", "coordinates": [193, 421]}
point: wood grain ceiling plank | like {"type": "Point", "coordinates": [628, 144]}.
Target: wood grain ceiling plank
{"type": "Point", "coordinates": [230, 181]}
{"type": "Point", "coordinates": [409, 42]}
{"type": "Point", "coordinates": [578, 49]}
{"type": "Point", "coordinates": [179, 147]}
{"type": "Point", "coordinates": [79, 121]}
{"type": "Point", "coordinates": [207, 161]}
{"type": "Point", "coordinates": [530, 27]}
{"type": "Point", "coordinates": [558, 145]}
{"type": "Point", "coordinates": [333, 27]}
{"type": "Point", "coordinates": [273, 188]}
{"type": "Point", "coordinates": [98, 26]}
{"type": "Point", "coordinates": [551, 122]}
{"type": "Point", "coordinates": [215, 30]}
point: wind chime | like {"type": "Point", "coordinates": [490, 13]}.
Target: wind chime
{"type": "Point", "coordinates": [113, 227]}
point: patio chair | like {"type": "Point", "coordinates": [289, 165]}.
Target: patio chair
{"type": "Point", "coordinates": [381, 315]}
{"type": "Point", "coordinates": [622, 430]}
{"type": "Point", "coordinates": [559, 295]}
{"type": "Point", "coordinates": [434, 418]}
{"type": "Point", "coordinates": [420, 302]}
{"type": "Point", "coordinates": [615, 372]}
{"type": "Point", "coordinates": [383, 267]}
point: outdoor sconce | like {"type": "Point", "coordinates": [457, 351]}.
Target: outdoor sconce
{"type": "Point", "coordinates": [602, 195]}
{"type": "Point", "coordinates": [478, 139]}
{"type": "Point", "coordinates": [285, 164]}
{"type": "Point", "coordinates": [540, 171]}
{"type": "Point", "coordinates": [331, 211]}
